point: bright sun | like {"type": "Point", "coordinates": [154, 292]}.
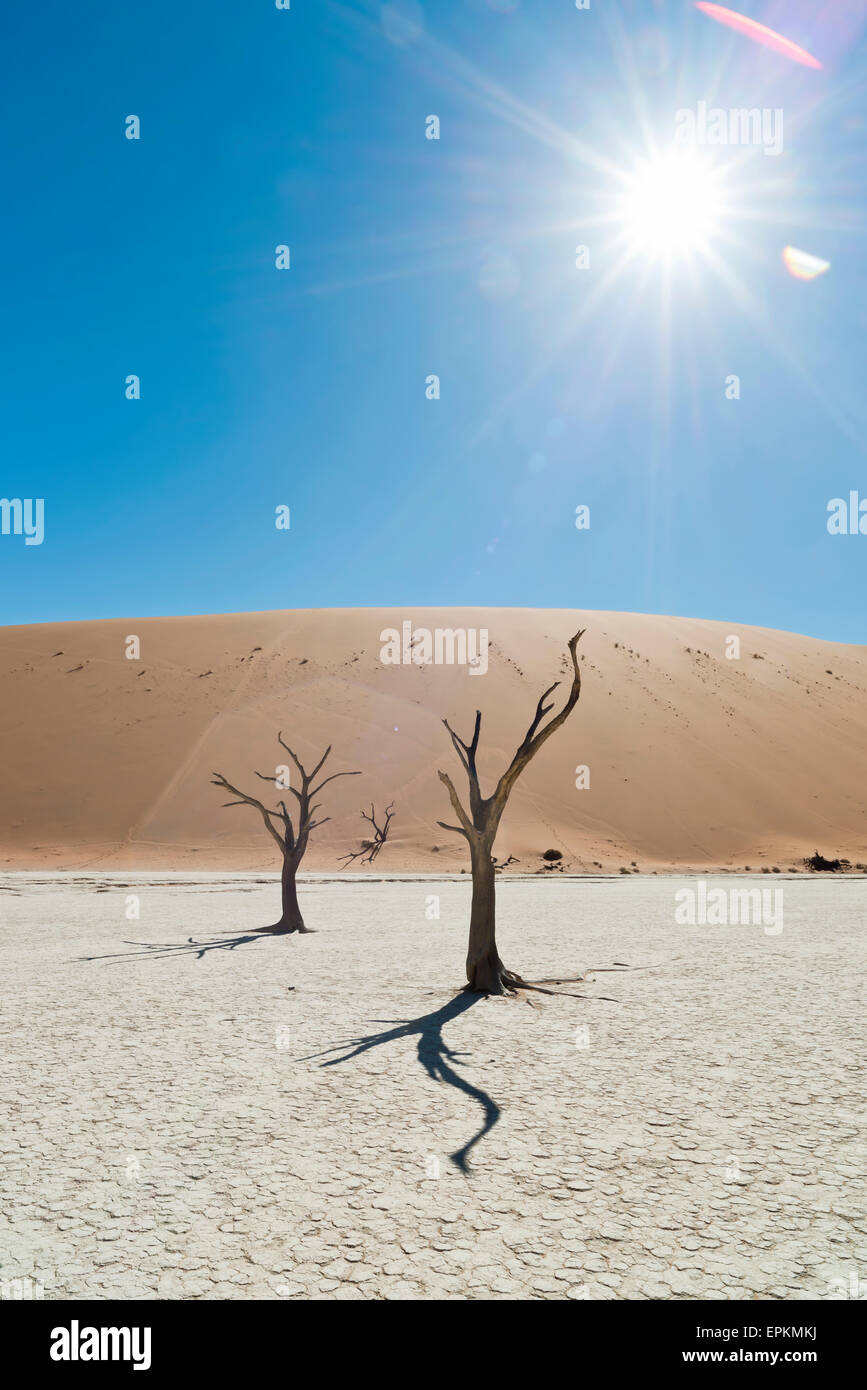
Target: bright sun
{"type": "Point", "coordinates": [671, 206]}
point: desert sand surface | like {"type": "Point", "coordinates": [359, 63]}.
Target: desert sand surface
{"type": "Point", "coordinates": [695, 760]}
{"type": "Point", "coordinates": [197, 1112]}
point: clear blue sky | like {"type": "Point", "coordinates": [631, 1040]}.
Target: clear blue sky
{"type": "Point", "coordinates": [409, 256]}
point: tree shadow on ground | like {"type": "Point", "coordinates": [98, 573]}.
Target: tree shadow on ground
{"type": "Point", "coordinates": [156, 949]}
{"type": "Point", "coordinates": [434, 1055]}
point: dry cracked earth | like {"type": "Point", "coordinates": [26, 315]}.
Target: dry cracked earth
{"type": "Point", "coordinates": [193, 1112]}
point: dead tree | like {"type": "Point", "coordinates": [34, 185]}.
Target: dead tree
{"type": "Point", "coordinates": [281, 828]}
{"type": "Point", "coordinates": [486, 973]}
{"type": "Point", "coordinates": [369, 849]}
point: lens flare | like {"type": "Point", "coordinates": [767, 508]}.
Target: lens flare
{"type": "Point", "coordinates": [802, 265]}
{"type": "Point", "coordinates": [760, 32]}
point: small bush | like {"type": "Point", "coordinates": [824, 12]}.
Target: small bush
{"type": "Point", "coordinates": [819, 864]}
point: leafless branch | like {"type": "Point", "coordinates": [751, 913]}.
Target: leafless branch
{"type": "Point", "coordinates": [369, 849]}
{"type": "Point", "coordinates": [535, 737]}
{"type": "Point", "coordinates": [466, 823]}
{"type": "Point", "coordinates": [505, 864]}
{"type": "Point", "coordinates": [219, 780]}
{"type": "Point", "coordinates": [317, 790]}
{"type": "Point", "coordinates": [288, 840]}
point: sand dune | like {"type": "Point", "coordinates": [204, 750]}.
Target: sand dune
{"type": "Point", "coordinates": [696, 760]}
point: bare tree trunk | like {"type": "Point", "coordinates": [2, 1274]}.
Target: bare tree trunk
{"type": "Point", "coordinates": [484, 967]}
{"type": "Point", "coordinates": [291, 919]}
{"type": "Point", "coordinates": [485, 971]}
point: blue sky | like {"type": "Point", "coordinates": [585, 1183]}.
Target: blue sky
{"type": "Point", "coordinates": [410, 257]}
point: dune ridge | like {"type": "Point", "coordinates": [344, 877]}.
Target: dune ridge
{"type": "Point", "coordinates": [696, 761]}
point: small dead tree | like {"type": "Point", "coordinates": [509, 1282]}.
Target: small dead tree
{"type": "Point", "coordinates": [292, 843]}
{"type": "Point", "coordinates": [369, 849]}
{"type": "Point", "coordinates": [486, 973]}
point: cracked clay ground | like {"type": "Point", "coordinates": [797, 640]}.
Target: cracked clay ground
{"type": "Point", "coordinates": [182, 1124]}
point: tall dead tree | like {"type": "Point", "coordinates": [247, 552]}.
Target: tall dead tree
{"type": "Point", "coordinates": [292, 843]}
{"type": "Point", "coordinates": [486, 973]}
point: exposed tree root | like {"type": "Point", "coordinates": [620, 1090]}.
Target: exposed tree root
{"type": "Point", "coordinates": [283, 929]}
{"type": "Point", "coordinates": [503, 981]}
{"type": "Point", "coordinates": [507, 982]}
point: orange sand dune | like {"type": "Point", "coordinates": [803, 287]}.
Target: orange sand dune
{"type": "Point", "coordinates": [695, 760]}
